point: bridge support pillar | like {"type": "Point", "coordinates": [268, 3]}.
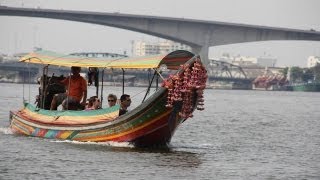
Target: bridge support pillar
{"type": "Point", "coordinates": [204, 54]}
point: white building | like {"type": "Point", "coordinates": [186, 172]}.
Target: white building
{"type": "Point", "coordinates": [142, 48]}
{"type": "Point", "coordinates": [244, 61]}
{"type": "Point", "coordinates": [313, 61]}
{"type": "Point", "coordinates": [226, 57]}
{"type": "Point", "coordinates": [250, 61]}
{"type": "Point", "coordinates": [266, 62]}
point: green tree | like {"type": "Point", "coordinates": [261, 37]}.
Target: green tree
{"type": "Point", "coordinates": [307, 75]}
{"type": "Point", "coordinates": [316, 71]}
{"type": "Point", "coordinates": [296, 74]}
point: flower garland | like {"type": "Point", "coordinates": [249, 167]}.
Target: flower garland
{"type": "Point", "coordinates": [187, 87]}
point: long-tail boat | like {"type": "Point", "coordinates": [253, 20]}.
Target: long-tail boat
{"type": "Point", "coordinates": [152, 123]}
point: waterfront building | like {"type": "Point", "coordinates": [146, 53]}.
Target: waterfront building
{"type": "Point", "coordinates": [225, 57]}
{"type": "Point", "coordinates": [253, 61]}
{"type": "Point", "coordinates": [313, 61]}
{"type": "Point", "coordinates": [143, 48]}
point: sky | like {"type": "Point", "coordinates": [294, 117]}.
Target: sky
{"type": "Point", "coordinates": [22, 34]}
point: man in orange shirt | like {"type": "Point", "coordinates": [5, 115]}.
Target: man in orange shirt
{"type": "Point", "coordinates": [76, 87]}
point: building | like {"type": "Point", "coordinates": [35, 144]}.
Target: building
{"type": "Point", "coordinates": [244, 61]}
{"type": "Point", "coordinates": [253, 61]}
{"type": "Point", "coordinates": [225, 57]}
{"type": "Point", "coordinates": [313, 61]}
{"type": "Point", "coordinates": [142, 48]}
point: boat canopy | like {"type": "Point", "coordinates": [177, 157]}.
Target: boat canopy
{"type": "Point", "coordinates": [171, 60]}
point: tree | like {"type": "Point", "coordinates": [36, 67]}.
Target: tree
{"type": "Point", "coordinates": [307, 75]}
{"type": "Point", "coordinates": [316, 71]}
{"type": "Point", "coordinates": [296, 74]}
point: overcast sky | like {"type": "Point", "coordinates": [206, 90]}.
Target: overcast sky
{"type": "Point", "coordinates": [21, 34]}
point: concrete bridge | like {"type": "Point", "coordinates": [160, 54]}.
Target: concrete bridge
{"type": "Point", "coordinates": [198, 34]}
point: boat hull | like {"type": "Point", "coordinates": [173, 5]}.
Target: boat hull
{"type": "Point", "coordinates": [151, 124]}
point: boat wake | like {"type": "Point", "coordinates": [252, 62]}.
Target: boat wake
{"type": "Point", "coordinates": [5, 130]}
{"type": "Point", "coordinates": [192, 146]}
{"type": "Point", "coordinates": [109, 143]}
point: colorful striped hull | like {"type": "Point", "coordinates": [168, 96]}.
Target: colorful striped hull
{"type": "Point", "coordinates": [149, 124]}
{"type": "Point", "coordinates": [152, 123]}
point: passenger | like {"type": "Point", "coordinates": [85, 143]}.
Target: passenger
{"type": "Point", "coordinates": [76, 94]}
{"type": "Point", "coordinates": [125, 102]}
{"type": "Point", "coordinates": [89, 103]}
{"type": "Point", "coordinates": [94, 103]}
{"type": "Point", "coordinates": [112, 100]}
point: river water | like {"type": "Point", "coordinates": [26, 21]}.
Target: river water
{"type": "Point", "coordinates": [240, 135]}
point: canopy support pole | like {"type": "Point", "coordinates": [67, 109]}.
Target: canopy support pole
{"type": "Point", "coordinates": [150, 83]}
{"type": "Point", "coordinates": [44, 85]}
{"type": "Point", "coordinates": [97, 87]}
{"type": "Point", "coordinates": [122, 80]}
{"type": "Point", "coordinates": [157, 80]}
{"type": "Point", "coordinates": [149, 74]}
{"type": "Point", "coordinates": [101, 94]}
